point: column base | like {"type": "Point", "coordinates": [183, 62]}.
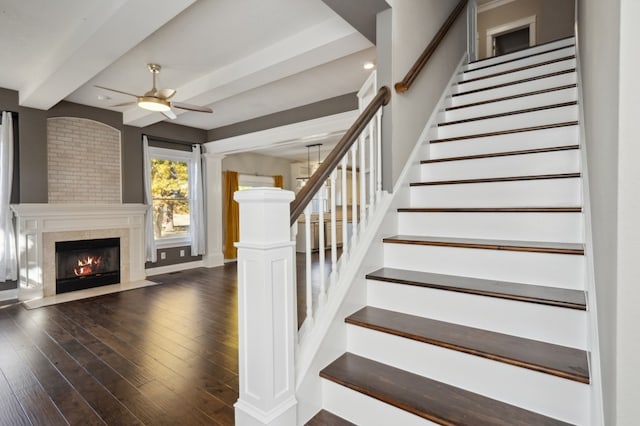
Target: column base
{"type": "Point", "coordinates": [282, 415]}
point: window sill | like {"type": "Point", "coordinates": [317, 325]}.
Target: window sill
{"type": "Point", "coordinates": [173, 242]}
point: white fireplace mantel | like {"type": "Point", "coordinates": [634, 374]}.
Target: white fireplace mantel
{"type": "Point", "coordinates": [39, 226]}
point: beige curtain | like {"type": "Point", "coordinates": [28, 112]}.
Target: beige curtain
{"type": "Point", "coordinates": [232, 214]}
{"type": "Point", "coordinates": [278, 181]}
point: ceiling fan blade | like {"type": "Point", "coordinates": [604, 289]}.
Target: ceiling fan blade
{"type": "Point", "coordinates": [191, 107]}
{"type": "Point", "coordinates": [117, 91]}
{"type": "Point", "coordinates": [169, 114]}
{"type": "Point", "coordinates": [123, 104]}
{"type": "Point", "coordinates": [165, 94]}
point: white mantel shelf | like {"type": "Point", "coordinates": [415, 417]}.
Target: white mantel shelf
{"type": "Point", "coordinates": [39, 226]}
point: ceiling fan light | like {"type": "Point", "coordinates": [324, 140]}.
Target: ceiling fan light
{"type": "Point", "coordinates": [153, 104]}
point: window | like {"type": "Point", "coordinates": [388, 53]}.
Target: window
{"type": "Point", "coordinates": [170, 194]}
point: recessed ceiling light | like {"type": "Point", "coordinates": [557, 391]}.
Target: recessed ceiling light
{"type": "Point", "coordinates": [104, 98]}
{"type": "Point", "coordinates": [369, 65]}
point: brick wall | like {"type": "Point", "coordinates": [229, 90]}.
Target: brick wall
{"type": "Point", "coordinates": [83, 159]}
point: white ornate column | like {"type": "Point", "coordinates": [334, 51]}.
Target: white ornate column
{"type": "Point", "coordinates": [214, 203]}
{"type": "Point", "coordinates": [266, 309]}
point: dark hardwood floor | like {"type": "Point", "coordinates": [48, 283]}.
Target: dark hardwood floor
{"type": "Point", "coordinates": [160, 355]}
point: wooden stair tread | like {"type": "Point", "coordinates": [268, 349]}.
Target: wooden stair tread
{"type": "Point", "coordinates": [490, 210]}
{"type": "Point", "coordinates": [551, 296]}
{"type": "Point", "coordinates": [326, 418]}
{"type": "Point", "coordinates": [507, 98]}
{"type": "Point", "coordinates": [516, 59]}
{"type": "Point", "coordinates": [506, 132]}
{"type": "Point", "coordinates": [475, 243]}
{"type": "Point", "coordinates": [522, 68]}
{"type": "Point", "coordinates": [503, 154]}
{"type": "Point", "coordinates": [429, 399]}
{"type": "Point", "coordinates": [561, 361]}
{"type": "Point", "coordinates": [507, 114]}
{"type": "Point", "coordinates": [498, 179]}
{"type": "Point", "coordinates": [511, 83]}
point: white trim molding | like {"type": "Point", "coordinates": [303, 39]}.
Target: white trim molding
{"type": "Point", "coordinates": [39, 226]}
{"type": "Point", "coordinates": [493, 4]}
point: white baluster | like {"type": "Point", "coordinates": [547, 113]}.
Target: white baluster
{"type": "Point", "coordinates": [321, 249]}
{"type": "Point", "coordinates": [332, 207]}
{"type": "Point", "coordinates": [307, 259]}
{"type": "Point", "coordinates": [372, 169]}
{"type": "Point", "coordinates": [379, 154]}
{"type": "Point", "coordinates": [354, 195]}
{"type": "Point", "coordinates": [345, 241]}
{"type": "Point", "coordinates": [363, 184]}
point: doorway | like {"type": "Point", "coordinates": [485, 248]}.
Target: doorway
{"type": "Point", "coordinates": [512, 36]}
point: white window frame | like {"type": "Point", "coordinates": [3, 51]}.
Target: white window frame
{"type": "Point", "coordinates": [172, 155]}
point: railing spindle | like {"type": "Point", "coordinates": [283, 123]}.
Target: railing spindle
{"type": "Point", "coordinates": [372, 168]}
{"type": "Point", "coordinates": [354, 195]}
{"type": "Point", "coordinates": [343, 200]}
{"type": "Point", "coordinates": [334, 244]}
{"type": "Point", "coordinates": [379, 154]}
{"type": "Point", "coordinates": [321, 250]}
{"type": "Point", "coordinates": [309, 288]}
{"type": "Point", "coordinates": [363, 186]}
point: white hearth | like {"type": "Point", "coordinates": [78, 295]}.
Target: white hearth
{"type": "Point", "coordinates": [40, 226]}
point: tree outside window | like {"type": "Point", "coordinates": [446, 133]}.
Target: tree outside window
{"type": "Point", "coordinates": [170, 193]}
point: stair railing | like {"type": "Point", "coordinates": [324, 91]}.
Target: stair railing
{"type": "Point", "coordinates": [267, 256]}
{"type": "Point", "coordinates": [350, 181]}
{"type": "Point", "coordinates": [404, 84]}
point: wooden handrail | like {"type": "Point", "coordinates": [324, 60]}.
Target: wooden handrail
{"type": "Point", "coordinates": [316, 181]}
{"type": "Point", "coordinates": [404, 85]}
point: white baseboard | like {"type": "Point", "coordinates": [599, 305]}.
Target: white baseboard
{"type": "Point", "coordinates": [212, 260]}
{"type": "Point", "coordinates": [9, 294]}
{"type": "Point", "coordinates": [174, 268]}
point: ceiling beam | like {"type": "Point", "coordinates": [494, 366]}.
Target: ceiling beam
{"type": "Point", "coordinates": [114, 27]}
{"type": "Point", "coordinates": [317, 45]}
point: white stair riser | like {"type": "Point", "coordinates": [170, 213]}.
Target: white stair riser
{"type": "Point", "coordinates": [510, 77]}
{"type": "Point", "coordinates": [566, 135]}
{"type": "Point", "coordinates": [530, 193]}
{"type": "Point", "coordinates": [532, 101]}
{"type": "Point", "coordinates": [543, 393]}
{"type": "Point", "coordinates": [515, 121]}
{"type": "Point", "coordinates": [513, 89]}
{"type": "Point", "coordinates": [532, 60]}
{"type": "Point", "coordinates": [547, 269]}
{"type": "Point", "coordinates": [542, 163]}
{"type": "Point", "coordinates": [363, 410]}
{"type": "Point", "coordinates": [560, 326]}
{"type": "Point", "coordinates": [536, 49]}
{"type": "Point", "coordinates": [552, 227]}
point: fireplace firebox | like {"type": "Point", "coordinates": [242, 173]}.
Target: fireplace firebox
{"type": "Point", "coordinates": [87, 263]}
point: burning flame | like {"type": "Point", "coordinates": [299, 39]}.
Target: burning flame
{"type": "Point", "coordinates": [87, 265]}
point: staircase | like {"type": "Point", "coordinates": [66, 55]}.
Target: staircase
{"type": "Point", "coordinates": [478, 316]}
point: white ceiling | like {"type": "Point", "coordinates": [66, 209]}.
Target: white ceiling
{"type": "Point", "coordinates": [243, 58]}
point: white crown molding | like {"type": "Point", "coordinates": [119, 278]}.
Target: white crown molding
{"type": "Point", "coordinates": [493, 4]}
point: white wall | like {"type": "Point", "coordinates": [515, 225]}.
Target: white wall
{"type": "Point", "coordinates": [628, 289]}
{"type": "Point", "coordinates": [414, 23]}
{"type": "Point", "coordinates": [261, 165]}
{"type": "Point", "coordinates": [598, 43]}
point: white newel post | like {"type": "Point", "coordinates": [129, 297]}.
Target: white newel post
{"type": "Point", "coordinates": [266, 309]}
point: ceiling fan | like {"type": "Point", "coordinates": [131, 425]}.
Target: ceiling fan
{"type": "Point", "coordinates": [157, 100]}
